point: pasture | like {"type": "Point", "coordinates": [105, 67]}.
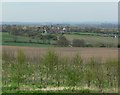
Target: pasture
{"type": "Point", "coordinates": [94, 41]}
{"type": "Point", "coordinates": [8, 40]}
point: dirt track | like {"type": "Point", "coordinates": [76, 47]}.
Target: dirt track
{"type": "Point", "coordinates": [69, 52]}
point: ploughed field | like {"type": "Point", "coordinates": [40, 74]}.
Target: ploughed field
{"type": "Point", "coordinates": [100, 53]}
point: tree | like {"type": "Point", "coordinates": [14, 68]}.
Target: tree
{"type": "Point", "coordinates": [78, 65]}
{"type": "Point", "coordinates": [20, 68]}
{"type": "Point", "coordinates": [50, 61]}
{"type": "Point", "coordinates": [62, 41]}
{"type": "Point", "coordinates": [39, 37]}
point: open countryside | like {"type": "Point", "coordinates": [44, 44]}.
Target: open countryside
{"type": "Point", "coordinates": [59, 62]}
{"type": "Point", "coordinates": [59, 48]}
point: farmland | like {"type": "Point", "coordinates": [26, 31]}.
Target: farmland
{"type": "Point", "coordinates": [102, 53]}
{"type": "Point", "coordinates": [94, 41]}
{"type": "Point", "coordinates": [22, 41]}
{"type": "Point", "coordinates": [59, 59]}
{"type": "Point", "coordinates": [59, 47]}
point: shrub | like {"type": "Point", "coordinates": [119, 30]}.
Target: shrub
{"type": "Point", "coordinates": [88, 45]}
{"type": "Point", "coordinates": [78, 43]}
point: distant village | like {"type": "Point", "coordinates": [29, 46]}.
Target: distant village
{"type": "Point", "coordinates": [60, 35]}
{"type": "Point", "coordinates": [58, 28]}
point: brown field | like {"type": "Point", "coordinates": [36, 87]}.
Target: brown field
{"type": "Point", "coordinates": [101, 53]}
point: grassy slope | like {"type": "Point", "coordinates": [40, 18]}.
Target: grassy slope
{"type": "Point", "coordinates": [93, 39]}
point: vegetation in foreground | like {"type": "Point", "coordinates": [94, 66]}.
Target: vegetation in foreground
{"type": "Point", "coordinates": [53, 73]}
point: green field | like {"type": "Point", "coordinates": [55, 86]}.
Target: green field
{"type": "Point", "coordinates": [23, 41]}
{"type": "Point", "coordinates": [95, 41]}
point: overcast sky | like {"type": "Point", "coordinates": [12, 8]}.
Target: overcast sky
{"type": "Point", "coordinates": [60, 12]}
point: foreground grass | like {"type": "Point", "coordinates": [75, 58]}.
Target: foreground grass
{"type": "Point", "coordinates": [52, 73]}
{"type": "Point", "coordinates": [62, 89]}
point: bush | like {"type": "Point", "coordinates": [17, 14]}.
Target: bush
{"type": "Point", "coordinates": [78, 43]}
{"type": "Point", "coordinates": [89, 45]}
{"type": "Point", "coordinates": [118, 45]}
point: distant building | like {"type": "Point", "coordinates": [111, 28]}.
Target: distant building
{"type": "Point", "coordinates": [64, 29]}
{"type": "Point", "coordinates": [115, 36]}
{"type": "Point", "coordinates": [24, 28]}
{"type": "Point", "coordinates": [45, 31]}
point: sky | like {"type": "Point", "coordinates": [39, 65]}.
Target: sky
{"type": "Point", "coordinates": [59, 12]}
